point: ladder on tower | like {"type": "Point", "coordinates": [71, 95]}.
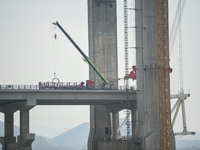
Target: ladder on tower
{"type": "Point", "coordinates": [126, 51]}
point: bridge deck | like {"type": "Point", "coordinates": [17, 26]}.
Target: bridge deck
{"type": "Point", "coordinates": [67, 97]}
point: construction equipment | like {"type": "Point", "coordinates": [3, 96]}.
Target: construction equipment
{"type": "Point", "coordinates": [163, 73]}
{"type": "Point", "coordinates": [91, 64]}
{"type": "Point", "coordinates": [132, 74]}
{"type": "Point", "coordinates": [67, 85]}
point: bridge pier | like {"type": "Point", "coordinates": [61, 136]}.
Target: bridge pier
{"type": "Point", "coordinates": [103, 125]}
{"type": "Point", "coordinates": [115, 124]}
{"type": "Point", "coordinates": [103, 53]}
{"type": "Point", "coordinates": [9, 141]}
{"type": "Point", "coordinates": [25, 139]}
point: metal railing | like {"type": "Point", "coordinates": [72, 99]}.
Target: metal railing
{"type": "Point", "coordinates": [19, 87]}
{"type": "Point", "coordinates": [36, 87]}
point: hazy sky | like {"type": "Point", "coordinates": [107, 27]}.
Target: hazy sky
{"type": "Point", "coordinates": [27, 54]}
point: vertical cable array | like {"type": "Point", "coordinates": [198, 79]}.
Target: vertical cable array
{"type": "Point", "coordinates": [175, 26]}
{"type": "Point", "coordinates": [181, 64]}
{"type": "Point", "coordinates": [163, 73]}
{"type": "Point", "coordinates": [126, 63]}
{"type": "Point", "coordinates": [180, 45]}
{"type": "Point", "coordinates": [126, 41]}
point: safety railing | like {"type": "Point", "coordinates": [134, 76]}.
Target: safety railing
{"type": "Point", "coordinates": [19, 87]}
{"type": "Point", "coordinates": [37, 87]}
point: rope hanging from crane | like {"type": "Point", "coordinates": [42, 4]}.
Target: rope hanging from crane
{"type": "Point", "coordinates": [54, 54]}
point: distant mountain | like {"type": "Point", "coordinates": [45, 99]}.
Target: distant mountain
{"type": "Point", "coordinates": [74, 139]}
{"type": "Point", "coordinates": [41, 144]}
{"type": "Point", "coordinates": [16, 129]}
{"type": "Point", "coordinates": [49, 132]}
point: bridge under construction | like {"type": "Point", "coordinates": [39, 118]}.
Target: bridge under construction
{"type": "Point", "coordinates": [148, 105]}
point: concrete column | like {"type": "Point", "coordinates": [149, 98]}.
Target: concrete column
{"type": "Point", "coordinates": [147, 75]}
{"type": "Point", "coordinates": [24, 122]}
{"type": "Point", "coordinates": [25, 139]}
{"type": "Point", "coordinates": [100, 127]}
{"type": "Point", "coordinates": [9, 129]}
{"type": "Point", "coordinates": [9, 142]}
{"type": "Point", "coordinates": [134, 122]}
{"type": "Point", "coordinates": [102, 30]}
{"type": "Point", "coordinates": [115, 122]}
{"type": "Point", "coordinates": [102, 123]}
{"type": "Point", "coordinates": [140, 72]}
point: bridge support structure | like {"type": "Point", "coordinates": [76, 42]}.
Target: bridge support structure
{"type": "Point", "coordinates": [24, 100]}
{"type": "Point", "coordinates": [102, 31]}
{"type": "Point", "coordinates": [146, 18]}
{"type": "Point", "coordinates": [103, 52]}
{"type": "Point", "coordinates": [25, 139]}
{"type": "Point", "coordinates": [104, 120]}
{"type": "Point", "coordinates": [107, 137]}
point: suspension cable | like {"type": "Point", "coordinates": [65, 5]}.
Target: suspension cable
{"type": "Point", "coordinates": [180, 45]}
{"type": "Point", "coordinates": [174, 28]}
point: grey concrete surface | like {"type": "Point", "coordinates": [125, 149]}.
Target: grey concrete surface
{"type": "Point", "coordinates": [105, 104]}
{"type": "Point", "coordinates": [63, 97]}
{"type": "Point", "coordinates": [102, 29]}
{"type": "Point", "coordinates": [148, 128]}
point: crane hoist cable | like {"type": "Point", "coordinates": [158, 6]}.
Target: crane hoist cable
{"type": "Point", "coordinates": [54, 54]}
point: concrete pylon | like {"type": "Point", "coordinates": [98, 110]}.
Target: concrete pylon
{"type": "Point", "coordinates": [148, 128]}
{"type": "Point", "coordinates": [103, 52]}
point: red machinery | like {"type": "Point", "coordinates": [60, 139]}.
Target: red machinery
{"type": "Point", "coordinates": [132, 74]}
{"type": "Point", "coordinates": [67, 85]}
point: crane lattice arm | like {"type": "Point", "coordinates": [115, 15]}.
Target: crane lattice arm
{"type": "Point", "coordinates": [91, 64]}
{"type": "Point", "coordinates": [163, 73]}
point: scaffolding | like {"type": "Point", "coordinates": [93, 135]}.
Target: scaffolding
{"type": "Point", "coordinates": [126, 57]}
{"type": "Point", "coordinates": [163, 73]}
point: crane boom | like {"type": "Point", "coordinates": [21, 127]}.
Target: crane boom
{"type": "Point", "coordinates": [163, 74]}
{"type": "Point", "coordinates": [91, 64]}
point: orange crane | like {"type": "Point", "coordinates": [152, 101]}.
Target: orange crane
{"type": "Point", "coordinates": [163, 73]}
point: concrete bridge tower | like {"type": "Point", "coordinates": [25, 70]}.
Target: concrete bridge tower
{"type": "Point", "coordinates": [103, 52]}
{"type": "Point", "coordinates": [102, 21]}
